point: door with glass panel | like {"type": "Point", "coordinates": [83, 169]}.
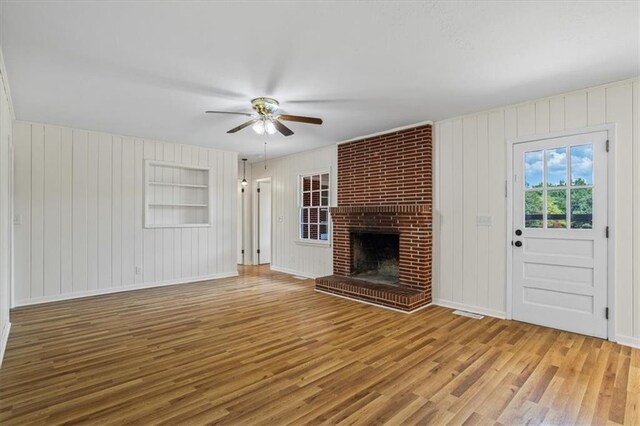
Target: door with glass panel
{"type": "Point", "coordinates": [559, 233]}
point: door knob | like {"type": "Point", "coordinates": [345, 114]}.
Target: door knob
{"type": "Point", "coordinates": [518, 244]}
{"type": "Point", "coordinates": [518, 232]}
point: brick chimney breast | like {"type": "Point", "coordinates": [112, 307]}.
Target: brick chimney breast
{"type": "Point", "coordinates": [385, 184]}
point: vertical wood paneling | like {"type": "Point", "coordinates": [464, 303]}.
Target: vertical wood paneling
{"type": "Point", "coordinates": [52, 197]}
{"type": "Point", "coordinates": [616, 103]}
{"type": "Point", "coordinates": [116, 212]}
{"type": "Point", "coordinates": [22, 206]}
{"type": "Point", "coordinates": [168, 252]}
{"type": "Point", "coordinates": [596, 106]}
{"type": "Point", "coordinates": [458, 206]}
{"type": "Point", "coordinates": [203, 233]}
{"type": "Point", "coordinates": [186, 232]}
{"type": "Point", "coordinates": [526, 119]}
{"type": "Point", "coordinates": [482, 244]}
{"type": "Point", "coordinates": [542, 116]}
{"type": "Point", "coordinates": [128, 207]}
{"type": "Point", "coordinates": [497, 185]}
{"type": "Point", "coordinates": [82, 195]}
{"type": "Point", "coordinates": [37, 211]}
{"type": "Point", "coordinates": [575, 106]}
{"type": "Point", "coordinates": [619, 111]}
{"type": "Point", "coordinates": [66, 212]}
{"type": "Point", "coordinates": [445, 285]}
{"type": "Point", "coordinates": [149, 234]}
{"type": "Point", "coordinates": [93, 145]}
{"type": "Point", "coordinates": [556, 114]}
{"type": "Point", "coordinates": [177, 234]}
{"type": "Point", "coordinates": [158, 233]}
{"type": "Point", "coordinates": [105, 182]}
{"type": "Point", "coordinates": [139, 210]}
{"type": "Point", "coordinates": [80, 211]}
{"type": "Point", "coordinates": [470, 209]}
{"type": "Point", "coordinates": [213, 235]}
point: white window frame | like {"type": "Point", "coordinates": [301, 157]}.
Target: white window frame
{"type": "Point", "coordinates": [299, 189]}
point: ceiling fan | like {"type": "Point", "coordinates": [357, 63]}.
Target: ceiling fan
{"type": "Point", "coordinates": [264, 119]}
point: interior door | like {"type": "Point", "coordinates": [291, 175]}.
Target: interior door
{"type": "Point", "coordinates": [264, 222]}
{"type": "Point", "coordinates": [559, 233]}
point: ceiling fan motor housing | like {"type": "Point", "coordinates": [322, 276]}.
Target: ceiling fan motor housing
{"type": "Point", "coordinates": [265, 106]}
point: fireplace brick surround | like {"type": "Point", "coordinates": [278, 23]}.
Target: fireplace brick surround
{"type": "Point", "coordinates": [385, 185]}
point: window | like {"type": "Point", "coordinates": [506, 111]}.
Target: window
{"type": "Point", "coordinates": [314, 207]}
{"type": "Point", "coordinates": [558, 187]}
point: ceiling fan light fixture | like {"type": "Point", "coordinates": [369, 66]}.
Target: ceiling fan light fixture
{"type": "Point", "coordinates": [259, 127]}
{"type": "Point", "coordinates": [269, 127]}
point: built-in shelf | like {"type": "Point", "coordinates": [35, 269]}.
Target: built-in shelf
{"type": "Point", "coordinates": [177, 195]}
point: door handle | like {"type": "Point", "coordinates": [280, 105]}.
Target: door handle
{"type": "Point", "coordinates": [518, 243]}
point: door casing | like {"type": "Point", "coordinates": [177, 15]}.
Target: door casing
{"type": "Point", "coordinates": [611, 134]}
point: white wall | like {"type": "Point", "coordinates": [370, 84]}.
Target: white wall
{"type": "Point", "coordinates": [287, 254]}
{"type": "Point", "coordinates": [79, 195]}
{"type": "Point", "coordinates": [6, 117]}
{"type": "Point", "coordinates": [470, 164]}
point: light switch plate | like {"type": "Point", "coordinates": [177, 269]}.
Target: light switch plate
{"type": "Point", "coordinates": [483, 220]}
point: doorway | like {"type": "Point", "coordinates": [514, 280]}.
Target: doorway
{"type": "Point", "coordinates": [559, 232]}
{"type": "Point", "coordinates": [262, 234]}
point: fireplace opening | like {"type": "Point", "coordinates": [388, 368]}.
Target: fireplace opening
{"type": "Point", "coordinates": [375, 256]}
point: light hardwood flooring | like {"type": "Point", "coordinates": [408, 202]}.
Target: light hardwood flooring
{"type": "Point", "coordinates": [264, 348]}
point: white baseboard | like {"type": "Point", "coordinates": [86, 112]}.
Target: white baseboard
{"type": "Point", "coordinates": [294, 272]}
{"type": "Point", "coordinates": [101, 291]}
{"type": "Point", "coordinates": [372, 304]}
{"type": "Point", "coordinates": [634, 342]}
{"type": "Point", "coordinates": [3, 342]}
{"type": "Point", "coordinates": [470, 308]}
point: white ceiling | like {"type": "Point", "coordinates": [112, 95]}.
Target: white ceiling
{"type": "Point", "coordinates": [151, 69]}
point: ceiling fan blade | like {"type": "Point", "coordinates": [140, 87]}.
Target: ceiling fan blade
{"type": "Point", "coordinates": [300, 119]}
{"type": "Point", "coordinates": [228, 112]}
{"type": "Point", "coordinates": [282, 128]}
{"type": "Point", "coordinates": [242, 126]}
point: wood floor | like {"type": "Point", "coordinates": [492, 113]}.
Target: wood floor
{"type": "Point", "coordinates": [264, 348]}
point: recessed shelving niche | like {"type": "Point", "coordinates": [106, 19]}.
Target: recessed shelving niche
{"type": "Point", "coordinates": [176, 195]}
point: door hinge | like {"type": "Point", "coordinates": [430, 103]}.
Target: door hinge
{"type": "Point", "coordinates": [606, 232]}
{"type": "Point", "coordinates": [258, 251]}
{"type": "Point", "coordinates": [607, 145]}
{"type": "Point", "coordinates": [242, 189]}
{"type": "Point", "coordinates": [258, 189]}
{"type": "Point", "coordinates": [606, 313]}
{"type": "Point", "coordinates": [506, 186]}
{"type": "Point", "coordinates": [242, 251]}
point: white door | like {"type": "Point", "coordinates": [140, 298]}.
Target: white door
{"type": "Point", "coordinates": [559, 233]}
{"type": "Point", "coordinates": [264, 222]}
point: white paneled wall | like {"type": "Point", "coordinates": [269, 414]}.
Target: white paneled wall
{"type": "Point", "coordinates": [288, 255]}
{"type": "Point", "coordinates": [5, 209]}
{"type": "Point", "coordinates": [470, 181]}
{"type": "Point", "coordinates": [79, 201]}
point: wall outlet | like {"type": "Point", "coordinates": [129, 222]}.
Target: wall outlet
{"type": "Point", "coordinates": [483, 220]}
{"type": "Point", "coordinates": [138, 270]}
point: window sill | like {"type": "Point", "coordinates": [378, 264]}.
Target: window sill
{"type": "Point", "coordinates": [320, 243]}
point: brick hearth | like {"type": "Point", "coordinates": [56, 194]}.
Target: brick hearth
{"type": "Point", "coordinates": [385, 185]}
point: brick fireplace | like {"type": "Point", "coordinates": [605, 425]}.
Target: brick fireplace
{"type": "Point", "coordinates": [382, 230]}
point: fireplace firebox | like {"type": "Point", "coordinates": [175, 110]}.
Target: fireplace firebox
{"type": "Point", "coordinates": [375, 256]}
